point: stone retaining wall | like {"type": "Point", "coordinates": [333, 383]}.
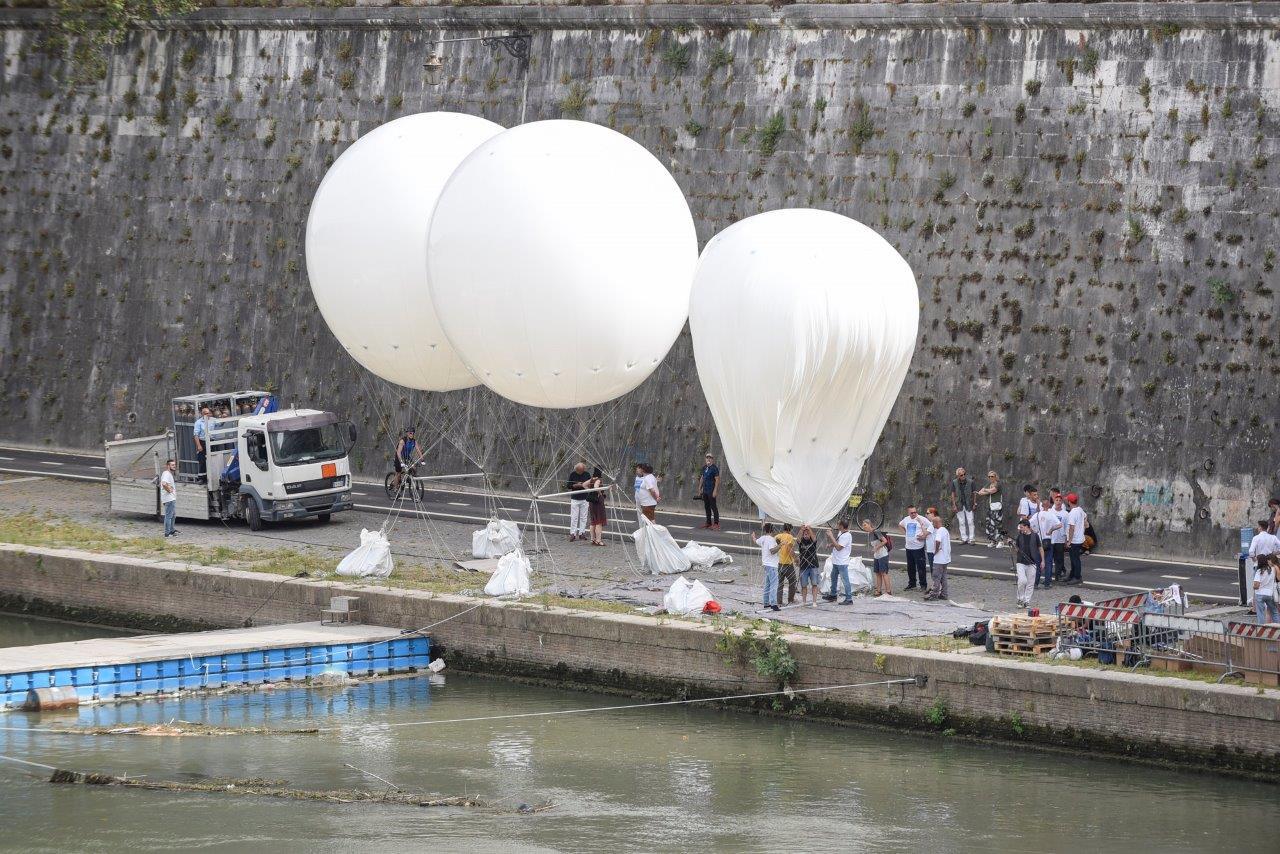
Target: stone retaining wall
{"type": "Point", "coordinates": [1088, 194]}
{"type": "Point", "coordinates": [1183, 722]}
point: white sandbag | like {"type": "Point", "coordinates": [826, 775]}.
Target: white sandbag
{"type": "Point", "coordinates": [859, 575]}
{"type": "Point", "coordinates": [371, 559]}
{"type": "Point", "coordinates": [496, 539]}
{"type": "Point", "coordinates": [658, 551]}
{"type": "Point", "coordinates": [705, 556]}
{"type": "Point", "coordinates": [686, 598]}
{"type": "Point", "coordinates": [511, 576]}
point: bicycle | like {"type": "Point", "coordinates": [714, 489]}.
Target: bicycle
{"type": "Point", "coordinates": [396, 482]}
{"type": "Point", "coordinates": [864, 509]}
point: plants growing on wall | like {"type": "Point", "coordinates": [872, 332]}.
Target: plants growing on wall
{"type": "Point", "coordinates": [84, 29]}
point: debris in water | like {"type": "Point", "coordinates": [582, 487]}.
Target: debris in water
{"type": "Point", "coordinates": [280, 789]}
{"type": "Point", "coordinates": [332, 679]}
{"type": "Point", "coordinates": [180, 728]}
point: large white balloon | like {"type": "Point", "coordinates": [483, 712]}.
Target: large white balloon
{"type": "Point", "coordinates": [561, 255]}
{"type": "Point", "coordinates": [367, 246]}
{"type": "Point", "coordinates": [804, 323]}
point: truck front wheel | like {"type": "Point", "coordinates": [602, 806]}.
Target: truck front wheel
{"type": "Point", "coordinates": [252, 516]}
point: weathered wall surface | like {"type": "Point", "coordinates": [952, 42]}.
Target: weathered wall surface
{"type": "Point", "coordinates": [1088, 196]}
{"type": "Point", "coordinates": [1221, 726]}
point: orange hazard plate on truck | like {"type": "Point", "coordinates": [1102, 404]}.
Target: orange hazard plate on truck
{"type": "Point", "coordinates": [329, 470]}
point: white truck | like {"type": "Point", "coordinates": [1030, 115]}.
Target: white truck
{"type": "Point", "coordinates": [244, 461]}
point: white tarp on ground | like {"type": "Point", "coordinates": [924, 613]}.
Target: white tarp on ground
{"type": "Point", "coordinates": [511, 576]}
{"type": "Point", "coordinates": [658, 550]}
{"type": "Point", "coordinates": [371, 559]}
{"type": "Point", "coordinates": [496, 539]}
{"type": "Point", "coordinates": [859, 576]}
{"type": "Point", "coordinates": [705, 556]}
{"type": "Point", "coordinates": [685, 597]}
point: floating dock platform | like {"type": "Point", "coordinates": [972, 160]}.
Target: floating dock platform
{"type": "Point", "coordinates": [119, 668]}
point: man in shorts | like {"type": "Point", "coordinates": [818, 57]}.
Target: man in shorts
{"type": "Point", "coordinates": [807, 561]}
{"type": "Point", "coordinates": [879, 545]}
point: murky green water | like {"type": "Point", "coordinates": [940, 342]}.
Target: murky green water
{"type": "Point", "coordinates": [19, 630]}
{"type": "Point", "coordinates": [655, 779]}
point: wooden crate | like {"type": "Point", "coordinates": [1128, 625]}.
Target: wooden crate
{"type": "Point", "coordinates": [1018, 634]}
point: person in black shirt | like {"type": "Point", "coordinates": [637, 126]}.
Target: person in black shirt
{"type": "Point", "coordinates": [1026, 554]}
{"type": "Point", "coordinates": [807, 563]}
{"type": "Point", "coordinates": [709, 491]}
{"type": "Point", "coordinates": [578, 502]}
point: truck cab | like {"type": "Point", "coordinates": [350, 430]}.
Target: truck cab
{"type": "Point", "coordinates": [243, 460]}
{"type": "Point", "coordinates": [294, 464]}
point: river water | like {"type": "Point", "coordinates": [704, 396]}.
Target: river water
{"type": "Point", "coordinates": [652, 779]}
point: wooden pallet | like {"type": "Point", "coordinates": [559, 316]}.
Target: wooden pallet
{"type": "Point", "coordinates": [1021, 647]}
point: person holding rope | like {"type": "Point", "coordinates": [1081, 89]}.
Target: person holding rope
{"type": "Point", "coordinates": [578, 504]}
{"type": "Point", "coordinates": [647, 495]}
{"type": "Point", "coordinates": [769, 549]}
{"type": "Point", "coordinates": [597, 511]}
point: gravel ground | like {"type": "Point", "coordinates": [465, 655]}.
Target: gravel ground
{"type": "Point", "coordinates": [575, 570]}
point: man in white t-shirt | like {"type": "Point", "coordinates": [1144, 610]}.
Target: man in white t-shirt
{"type": "Point", "coordinates": [1044, 524]}
{"type": "Point", "coordinates": [1263, 542]}
{"type": "Point", "coordinates": [941, 558]}
{"type": "Point", "coordinates": [916, 530]}
{"type": "Point", "coordinates": [841, 547]}
{"type": "Point", "coordinates": [1059, 538]}
{"type": "Point", "coordinates": [1029, 503]}
{"type": "Point", "coordinates": [169, 497]}
{"type": "Point", "coordinates": [646, 491]}
{"type": "Point", "coordinates": [769, 549]}
{"type": "Point", "coordinates": [1076, 522]}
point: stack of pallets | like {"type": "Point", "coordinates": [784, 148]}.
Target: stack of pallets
{"type": "Point", "coordinates": [1017, 634]}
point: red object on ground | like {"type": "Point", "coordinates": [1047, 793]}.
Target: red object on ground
{"type": "Point", "coordinates": [712, 607]}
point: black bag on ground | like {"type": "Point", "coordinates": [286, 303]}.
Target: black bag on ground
{"type": "Point", "coordinates": [979, 634]}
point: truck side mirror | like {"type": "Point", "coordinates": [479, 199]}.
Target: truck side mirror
{"type": "Point", "coordinates": [351, 436]}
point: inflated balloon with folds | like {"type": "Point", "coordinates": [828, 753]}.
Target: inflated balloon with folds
{"type": "Point", "coordinates": [366, 246]}
{"type": "Point", "coordinates": [561, 255]}
{"type": "Point", "coordinates": [803, 323]}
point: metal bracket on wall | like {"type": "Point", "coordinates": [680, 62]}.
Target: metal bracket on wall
{"type": "Point", "coordinates": [516, 44]}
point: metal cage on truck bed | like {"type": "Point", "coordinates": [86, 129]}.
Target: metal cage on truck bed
{"type": "Point", "coordinates": [226, 409]}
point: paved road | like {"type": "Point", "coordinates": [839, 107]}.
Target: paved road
{"type": "Point", "coordinates": [1105, 574]}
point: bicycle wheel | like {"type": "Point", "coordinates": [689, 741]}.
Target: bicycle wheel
{"type": "Point", "coordinates": [418, 487]}
{"type": "Point", "coordinates": [868, 511]}
{"type": "Point", "coordinates": [388, 484]}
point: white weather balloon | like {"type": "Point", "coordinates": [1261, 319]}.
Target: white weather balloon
{"type": "Point", "coordinates": [561, 255]}
{"type": "Point", "coordinates": [803, 323]}
{"type": "Point", "coordinates": [367, 246]}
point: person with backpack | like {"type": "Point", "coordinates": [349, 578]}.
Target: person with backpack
{"type": "Point", "coordinates": [1026, 556]}
{"type": "Point", "coordinates": [881, 544]}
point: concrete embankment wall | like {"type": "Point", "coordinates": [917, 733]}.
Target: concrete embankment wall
{"type": "Point", "coordinates": [1088, 195]}
{"type": "Point", "coordinates": [1183, 722]}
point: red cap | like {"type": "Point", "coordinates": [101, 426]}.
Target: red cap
{"type": "Point", "coordinates": [1072, 498]}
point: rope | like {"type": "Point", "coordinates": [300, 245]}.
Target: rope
{"type": "Point", "coordinates": [788, 692]}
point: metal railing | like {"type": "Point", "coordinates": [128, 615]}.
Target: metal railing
{"type": "Point", "coordinates": [1130, 637]}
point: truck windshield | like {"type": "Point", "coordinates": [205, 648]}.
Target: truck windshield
{"type": "Point", "coordinates": [310, 445]}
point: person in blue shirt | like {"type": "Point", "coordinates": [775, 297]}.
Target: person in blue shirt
{"type": "Point", "coordinates": [203, 429]}
{"type": "Point", "coordinates": [709, 491]}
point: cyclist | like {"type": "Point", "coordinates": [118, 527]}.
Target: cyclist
{"type": "Point", "coordinates": [406, 447]}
